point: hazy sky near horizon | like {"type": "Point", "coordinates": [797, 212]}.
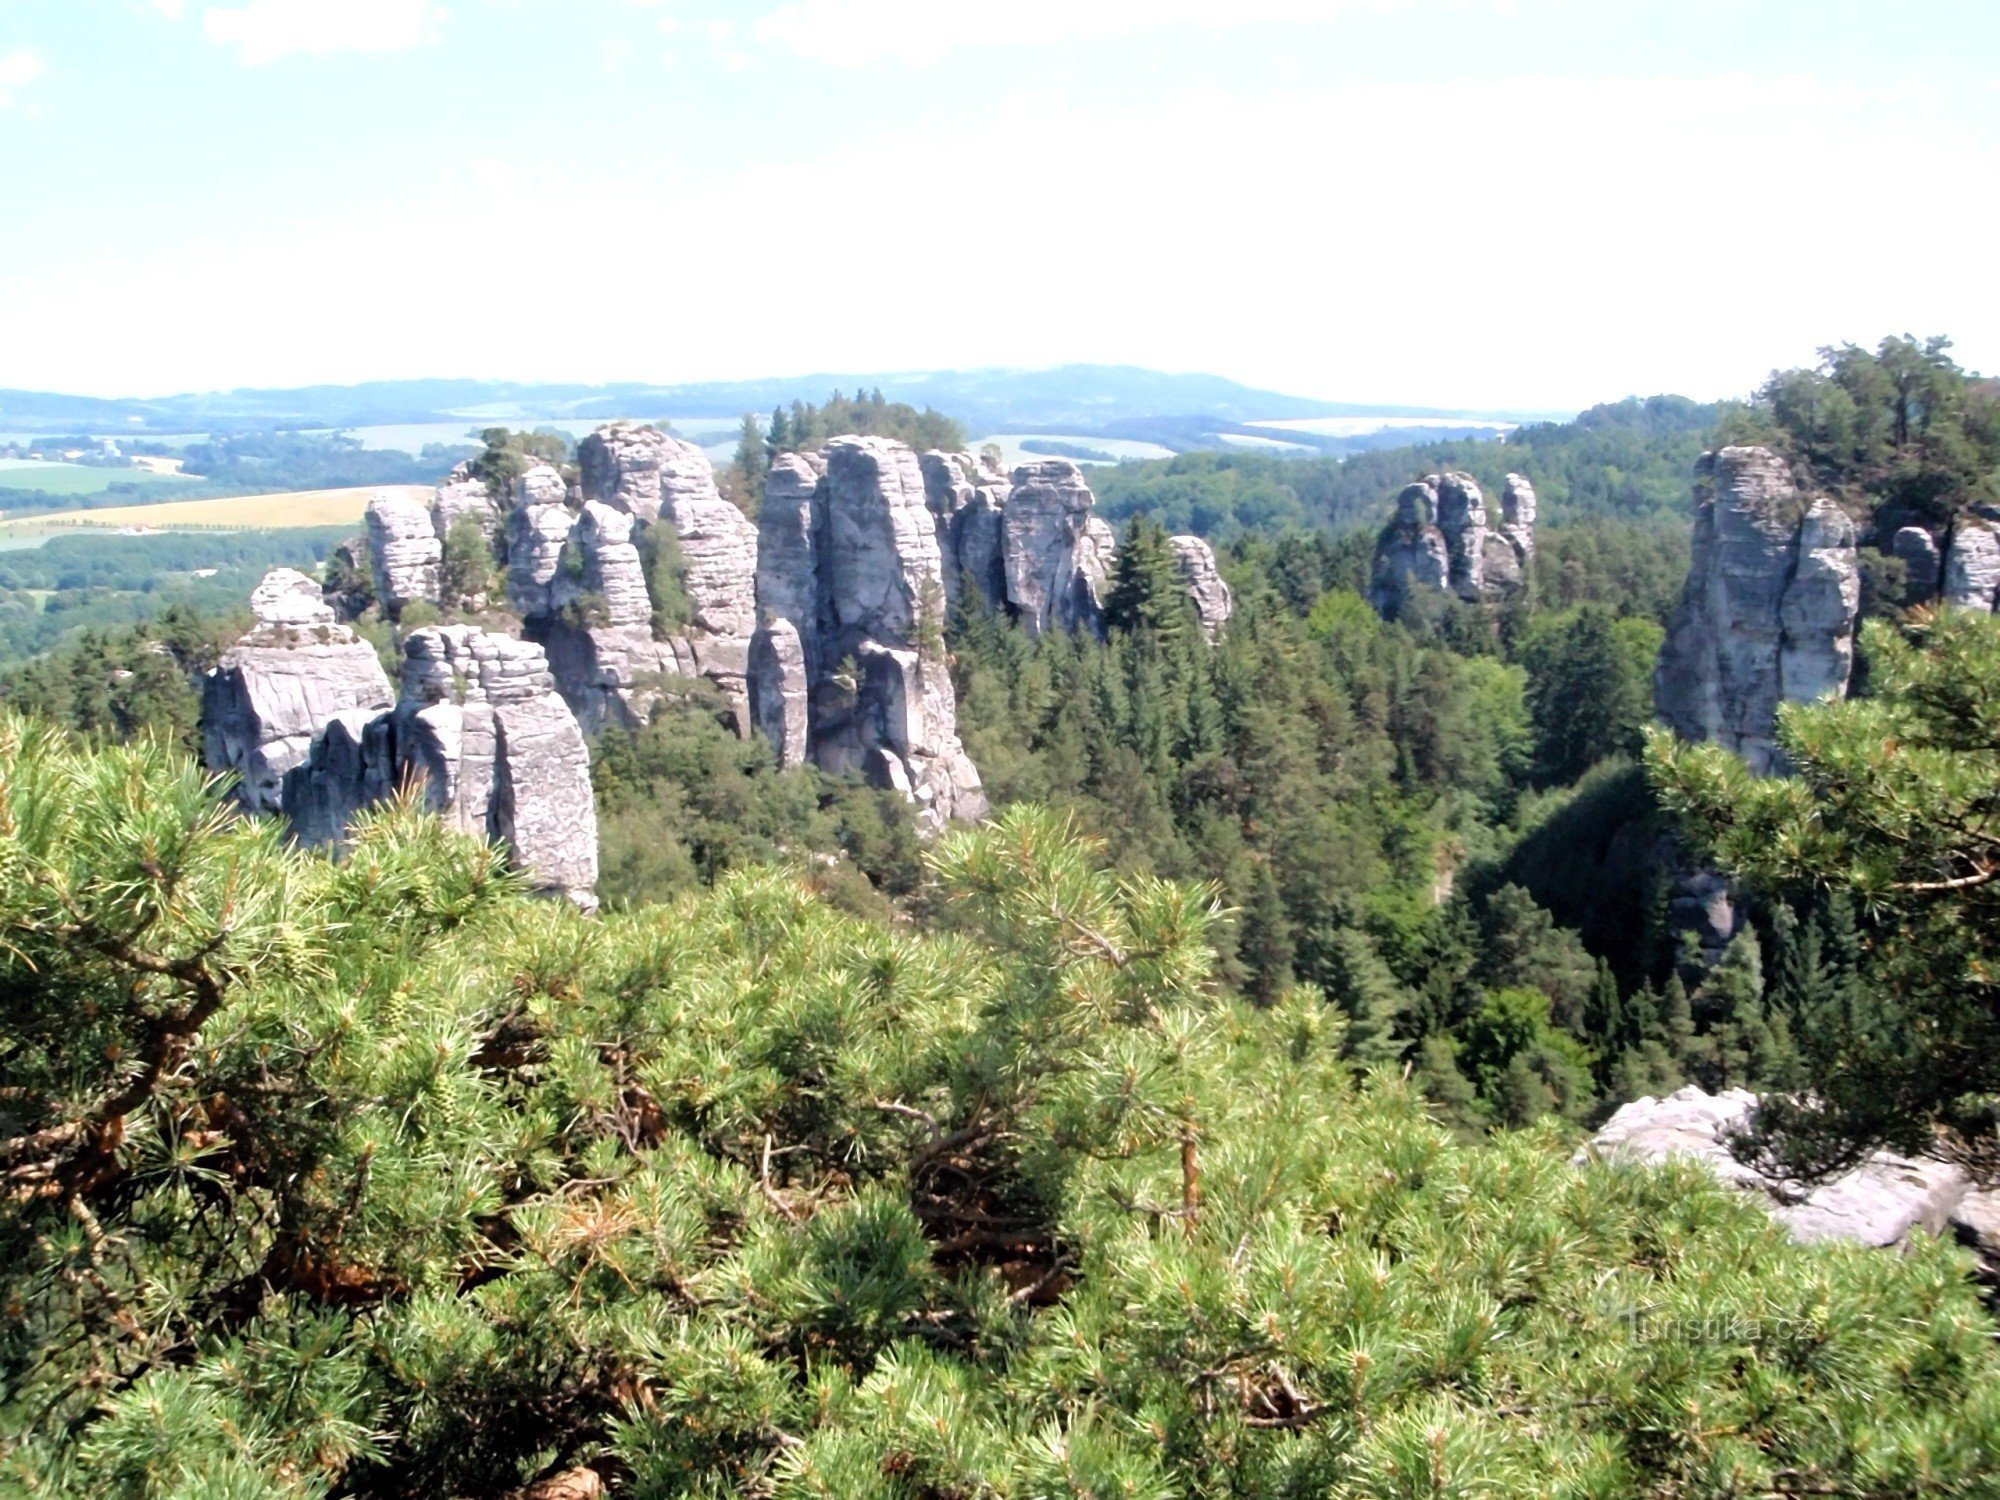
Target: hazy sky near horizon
{"type": "Point", "coordinates": [1521, 204]}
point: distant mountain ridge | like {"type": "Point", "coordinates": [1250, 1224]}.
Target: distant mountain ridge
{"type": "Point", "coordinates": [1070, 398]}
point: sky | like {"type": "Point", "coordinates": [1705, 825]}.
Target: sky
{"type": "Point", "coordinates": [1489, 204]}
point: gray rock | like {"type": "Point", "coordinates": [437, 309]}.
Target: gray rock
{"type": "Point", "coordinates": [781, 693]}
{"type": "Point", "coordinates": [1820, 607]}
{"type": "Point", "coordinates": [404, 547]}
{"type": "Point", "coordinates": [640, 469]}
{"type": "Point", "coordinates": [1518, 510]}
{"type": "Point", "coordinates": [1213, 601]}
{"type": "Point", "coordinates": [1769, 610]}
{"type": "Point", "coordinates": [536, 535]}
{"type": "Point", "coordinates": [968, 502]}
{"type": "Point", "coordinates": [1972, 566]}
{"type": "Point", "coordinates": [498, 753]}
{"type": "Point", "coordinates": [1922, 563]}
{"type": "Point", "coordinates": [1878, 1203]}
{"type": "Point", "coordinates": [462, 496]}
{"type": "Point", "coordinates": [1055, 562]}
{"type": "Point", "coordinates": [613, 577]}
{"type": "Point", "coordinates": [273, 692]}
{"type": "Point", "coordinates": [1461, 511]}
{"type": "Point", "coordinates": [1412, 554]}
{"type": "Point", "coordinates": [848, 670]}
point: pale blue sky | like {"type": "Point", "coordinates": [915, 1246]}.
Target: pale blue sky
{"type": "Point", "coordinates": [1538, 203]}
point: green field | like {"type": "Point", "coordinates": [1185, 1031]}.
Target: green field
{"type": "Point", "coordinates": [76, 479]}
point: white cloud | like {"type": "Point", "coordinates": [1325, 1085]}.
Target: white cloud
{"type": "Point", "coordinates": [173, 10]}
{"type": "Point", "coordinates": [853, 33]}
{"type": "Point", "coordinates": [266, 30]}
{"type": "Point", "coordinates": [18, 69]}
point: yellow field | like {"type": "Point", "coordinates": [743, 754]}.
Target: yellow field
{"type": "Point", "coordinates": [278, 512]}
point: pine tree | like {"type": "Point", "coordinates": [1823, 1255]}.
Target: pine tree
{"type": "Point", "coordinates": [1146, 592]}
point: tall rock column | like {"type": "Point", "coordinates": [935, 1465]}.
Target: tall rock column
{"type": "Point", "coordinates": [1056, 551]}
{"type": "Point", "coordinates": [1213, 602]}
{"type": "Point", "coordinates": [851, 588]}
{"type": "Point", "coordinates": [1769, 610]}
{"type": "Point", "coordinates": [1412, 553]}
{"type": "Point", "coordinates": [1972, 563]}
{"type": "Point", "coordinates": [406, 551]}
{"type": "Point", "coordinates": [658, 479]}
{"type": "Point", "coordinates": [274, 691]}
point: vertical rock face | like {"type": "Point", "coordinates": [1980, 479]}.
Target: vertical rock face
{"type": "Point", "coordinates": [1412, 552]}
{"type": "Point", "coordinates": [1922, 564]}
{"type": "Point", "coordinates": [1212, 600]}
{"type": "Point", "coordinates": [536, 533]}
{"type": "Point", "coordinates": [968, 501]}
{"type": "Point", "coordinates": [1769, 610]}
{"type": "Point", "coordinates": [1054, 560]}
{"type": "Point", "coordinates": [406, 550]}
{"type": "Point", "coordinates": [497, 751]}
{"type": "Point", "coordinates": [639, 469]}
{"type": "Point", "coordinates": [1972, 565]}
{"type": "Point", "coordinates": [1820, 607]}
{"type": "Point", "coordinates": [1442, 541]}
{"type": "Point", "coordinates": [281, 684]}
{"type": "Point", "coordinates": [848, 669]}
{"type": "Point", "coordinates": [598, 631]}
{"type": "Point", "coordinates": [463, 496]}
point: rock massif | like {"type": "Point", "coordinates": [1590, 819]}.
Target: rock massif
{"type": "Point", "coordinates": [1056, 552]}
{"type": "Point", "coordinates": [277, 687]}
{"type": "Point", "coordinates": [1442, 541]}
{"type": "Point", "coordinates": [302, 709]}
{"type": "Point", "coordinates": [1769, 610]}
{"type": "Point", "coordinates": [1879, 1203]}
{"type": "Point", "coordinates": [481, 728]}
{"type": "Point", "coordinates": [848, 668]}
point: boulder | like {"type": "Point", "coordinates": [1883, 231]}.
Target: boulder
{"type": "Point", "coordinates": [272, 693]}
{"type": "Point", "coordinates": [498, 753]}
{"type": "Point", "coordinates": [1878, 1203]}
{"type": "Point", "coordinates": [1055, 561]}
{"type": "Point", "coordinates": [405, 550]}
{"type": "Point", "coordinates": [1769, 610]}
{"type": "Point", "coordinates": [1213, 601]}
{"type": "Point", "coordinates": [1972, 565]}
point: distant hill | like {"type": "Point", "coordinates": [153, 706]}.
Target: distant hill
{"type": "Point", "coordinates": [1069, 399]}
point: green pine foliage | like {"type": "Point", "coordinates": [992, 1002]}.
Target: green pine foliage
{"type": "Point", "coordinates": [1884, 840]}
{"type": "Point", "coordinates": [380, 1178]}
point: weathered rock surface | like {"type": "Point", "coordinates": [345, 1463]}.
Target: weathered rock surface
{"type": "Point", "coordinates": [1769, 611]}
{"type": "Point", "coordinates": [1442, 541]}
{"type": "Point", "coordinates": [1878, 1203]}
{"type": "Point", "coordinates": [640, 469]}
{"type": "Point", "coordinates": [1412, 553]}
{"type": "Point", "coordinates": [405, 550]}
{"type": "Point", "coordinates": [1972, 565]}
{"type": "Point", "coordinates": [1213, 601]}
{"type": "Point", "coordinates": [281, 684]}
{"type": "Point", "coordinates": [536, 534]}
{"type": "Point", "coordinates": [1056, 558]}
{"type": "Point", "coordinates": [463, 496]}
{"type": "Point", "coordinates": [1923, 565]}
{"type": "Point", "coordinates": [481, 727]}
{"type": "Point", "coordinates": [848, 669]}
{"type": "Point", "coordinates": [968, 501]}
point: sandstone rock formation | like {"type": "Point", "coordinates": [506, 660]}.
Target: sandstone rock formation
{"type": "Point", "coordinates": [968, 502]}
{"type": "Point", "coordinates": [1769, 611]}
{"type": "Point", "coordinates": [1923, 565]}
{"type": "Point", "coordinates": [281, 684]}
{"type": "Point", "coordinates": [659, 479]}
{"type": "Point", "coordinates": [1972, 564]}
{"type": "Point", "coordinates": [1213, 601]}
{"type": "Point", "coordinates": [463, 496]}
{"type": "Point", "coordinates": [1056, 552]}
{"type": "Point", "coordinates": [848, 667]}
{"type": "Point", "coordinates": [1442, 540]}
{"type": "Point", "coordinates": [480, 726]}
{"type": "Point", "coordinates": [405, 549]}
{"type": "Point", "coordinates": [1879, 1203]}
